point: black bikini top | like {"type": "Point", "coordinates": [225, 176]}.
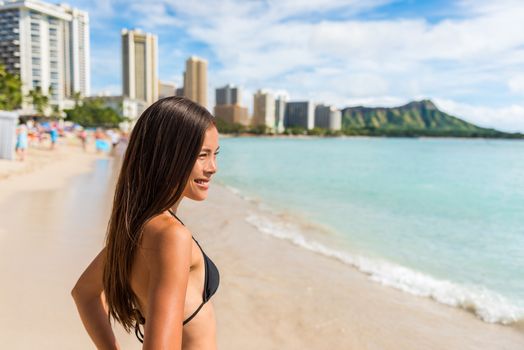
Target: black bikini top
{"type": "Point", "coordinates": [211, 282]}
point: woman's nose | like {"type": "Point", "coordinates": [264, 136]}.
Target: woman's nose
{"type": "Point", "coordinates": [212, 166]}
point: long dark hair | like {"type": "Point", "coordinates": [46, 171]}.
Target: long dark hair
{"type": "Point", "coordinates": [162, 150]}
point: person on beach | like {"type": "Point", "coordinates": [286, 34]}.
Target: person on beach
{"type": "Point", "coordinates": [53, 133]}
{"type": "Point", "coordinates": [101, 144]}
{"type": "Point", "coordinates": [21, 142]}
{"type": "Point", "coordinates": [82, 135]}
{"type": "Point", "coordinates": [114, 135]}
{"type": "Point", "coordinates": [152, 275]}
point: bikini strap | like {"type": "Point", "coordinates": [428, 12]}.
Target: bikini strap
{"type": "Point", "coordinates": [194, 314]}
{"type": "Point", "coordinates": [173, 213]}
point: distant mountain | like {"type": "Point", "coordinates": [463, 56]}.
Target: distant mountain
{"type": "Point", "coordinates": [412, 119]}
{"type": "Point", "coordinates": [415, 115]}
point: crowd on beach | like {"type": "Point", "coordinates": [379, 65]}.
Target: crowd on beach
{"type": "Point", "coordinates": [49, 134]}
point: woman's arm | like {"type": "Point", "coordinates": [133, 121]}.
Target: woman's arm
{"type": "Point", "coordinates": [169, 261]}
{"type": "Point", "coordinates": [90, 302]}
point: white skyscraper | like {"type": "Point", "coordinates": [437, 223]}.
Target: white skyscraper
{"type": "Point", "coordinates": [195, 80]}
{"type": "Point", "coordinates": [264, 109]}
{"type": "Point", "coordinates": [280, 111]}
{"type": "Point", "coordinates": [48, 46]}
{"type": "Point", "coordinates": [140, 65]}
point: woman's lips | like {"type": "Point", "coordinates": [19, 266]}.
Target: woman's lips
{"type": "Point", "coordinates": [202, 183]}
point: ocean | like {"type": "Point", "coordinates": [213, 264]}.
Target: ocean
{"type": "Point", "coordinates": [441, 218]}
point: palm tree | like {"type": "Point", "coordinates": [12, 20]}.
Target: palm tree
{"type": "Point", "coordinates": [77, 97]}
{"type": "Point", "coordinates": [10, 90]}
{"type": "Point", "coordinates": [39, 100]}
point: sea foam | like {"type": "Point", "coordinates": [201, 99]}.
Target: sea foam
{"type": "Point", "coordinates": [489, 306]}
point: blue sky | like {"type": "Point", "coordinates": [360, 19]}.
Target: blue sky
{"type": "Point", "coordinates": [466, 55]}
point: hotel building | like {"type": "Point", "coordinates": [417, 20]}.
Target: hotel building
{"type": "Point", "coordinates": [300, 114]}
{"type": "Point", "coordinates": [228, 95]}
{"type": "Point", "coordinates": [195, 80]}
{"type": "Point", "coordinates": [328, 117]}
{"type": "Point", "coordinates": [264, 109]}
{"type": "Point", "coordinates": [47, 45]}
{"type": "Point", "coordinates": [228, 105]}
{"type": "Point", "coordinates": [139, 65]}
{"type": "Point", "coordinates": [280, 112]}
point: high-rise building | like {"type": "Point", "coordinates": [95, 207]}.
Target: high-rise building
{"type": "Point", "coordinates": [47, 45]}
{"type": "Point", "coordinates": [232, 114]}
{"type": "Point", "coordinates": [179, 92]}
{"type": "Point", "coordinates": [280, 111]}
{"type": "Point", "coordinates": [166, 89]}
{"type": "Point", "coordinates": [195, 80]}
{"type": "Point", "coordinates": [139, 65]}
{"type": "Point", "coordinates": [300, 114]}
{"type": "Point", "coordinates": [328, 117]}
{"type": "Point", "coordinates": [264, 109]}
{"type": "Point", "coordinates": [228, 95]}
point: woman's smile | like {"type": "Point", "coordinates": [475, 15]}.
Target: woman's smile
{"type": "Point", "coordinates": [202, 183]}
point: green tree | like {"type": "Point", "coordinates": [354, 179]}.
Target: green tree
{"type": "Point", "coordinates": [228, 128]}
{"type": "Point", "coordinates": [55, 112]}
{"type": "Point", "coordinates": [39, 101]}
{"type": "Point", "coordinates": [94, 113]}
{"type": "Point", "coordinates": [295, 130]}
{"type": "Point", "coordinates": [316, 131]}
{"type": "Point", "coordinates": [77, 97]}
{"type": "Point", "coordinates": [259, 129]}
{"type": "Point", "coordinates": [10, 90]}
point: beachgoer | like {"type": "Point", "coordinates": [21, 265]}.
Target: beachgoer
{"type": "Point", "coordinates": [53, 133]}
{"type": "Point", "coordinates": [152, 276]}
{"type": "Point", "coordinates": [82, 135]}
{"type": "Point", "coordinates": [101, 144]}
{"type": "Point", "coordinates": [114, 135]}
{"type": "Point", "coordinates": [21, 142]}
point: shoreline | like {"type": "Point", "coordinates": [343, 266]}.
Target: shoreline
{"type": "Point", "coordinates": [422, 137]}
{"type": "Point", "coordinates": [325, 241]}
{"type": "Point", "coordinates": [316, 297]}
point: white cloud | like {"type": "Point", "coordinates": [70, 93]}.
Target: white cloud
{"type": "Point", "coordinates": [510, 118]}
{"type": "Point", "coordinates": [516, 84]}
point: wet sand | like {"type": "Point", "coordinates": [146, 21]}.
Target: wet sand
{"type": "Point", "coordinates": [273, 294]}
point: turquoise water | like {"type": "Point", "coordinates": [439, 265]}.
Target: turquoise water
{"type": "Point", "coordinates": [443, 218]}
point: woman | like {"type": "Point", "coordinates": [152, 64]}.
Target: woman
{"type": "Point", "coordinates": [152, 273]}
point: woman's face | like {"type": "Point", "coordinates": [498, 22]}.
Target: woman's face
{"type": "Point", "coordinates": [205, 166]}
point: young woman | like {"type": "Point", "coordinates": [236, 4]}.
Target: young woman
{"type": "Point", "coordinates": [152, 276]}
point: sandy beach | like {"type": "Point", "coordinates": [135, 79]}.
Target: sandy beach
{"type": "Point", "coordinates": [273, 294]}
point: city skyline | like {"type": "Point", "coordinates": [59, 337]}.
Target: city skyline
{"type": "Point", "coordinates": [466, 56]}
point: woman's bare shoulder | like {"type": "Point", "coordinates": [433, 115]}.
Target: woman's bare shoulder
{"type": "Point", "coordinates": [164, 232]}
